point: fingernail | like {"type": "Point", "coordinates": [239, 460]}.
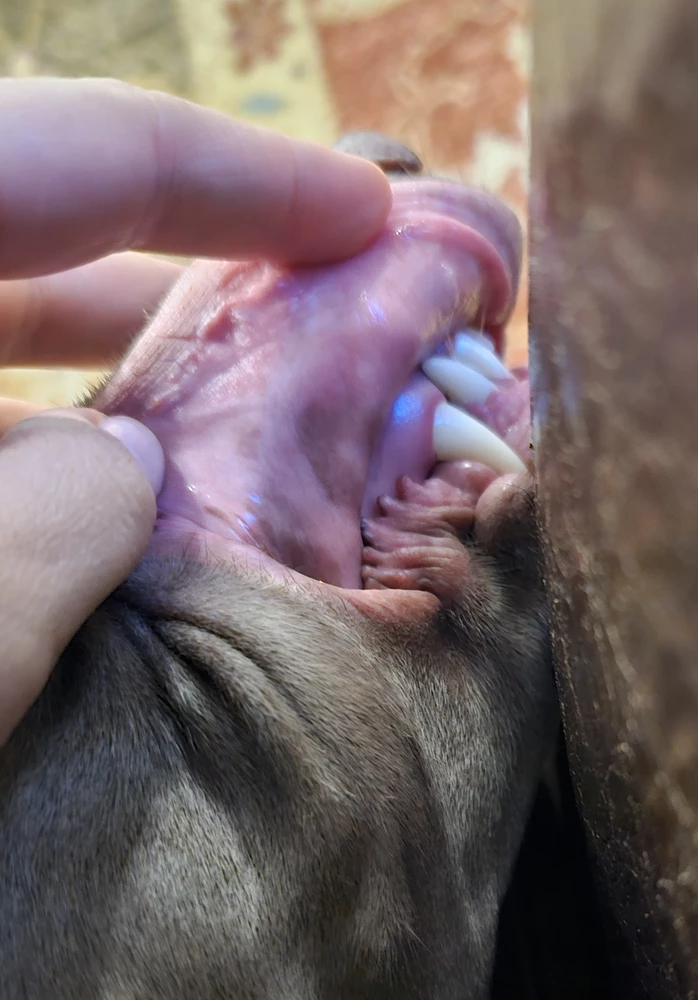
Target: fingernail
{"type": "Point", "coordinates": [142, 444]}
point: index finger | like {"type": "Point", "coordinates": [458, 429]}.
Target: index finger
{"type": "Point", "coordinates": [89, 167]}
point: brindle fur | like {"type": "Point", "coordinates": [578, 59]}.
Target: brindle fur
{"type": "Point", "coordinates": [231, 789]}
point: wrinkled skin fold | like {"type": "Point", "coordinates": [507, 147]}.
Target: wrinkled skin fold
{"type": "Point", "coordinates": [202, 805]}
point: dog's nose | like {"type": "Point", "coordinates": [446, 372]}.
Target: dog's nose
{"type": "Point", "coordinates": [391, 156]}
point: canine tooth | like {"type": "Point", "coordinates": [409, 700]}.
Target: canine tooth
{"type": "Point", "coordinates": [478, 336]}
{"type": "Point", "coordinates": [457, 381]}
{"type": "Point", "coordinates": [479, 355]}
{"type": "Point", "coordinates": [460, 437]}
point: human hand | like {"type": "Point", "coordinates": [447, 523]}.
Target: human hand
{"type": "Point", "coordinates": [89, 169]}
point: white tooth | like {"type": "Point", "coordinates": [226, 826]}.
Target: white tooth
{"type": "Point", "coordinates": [479, 355]}
{"type": "Point", "coordinates": [458, 382]}
{"type": "Point", "coordinates": [478, 337]}
{"type": "Point", "coordinates": [460, 437]}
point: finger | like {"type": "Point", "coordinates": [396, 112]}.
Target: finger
{"type": "Point", "coordinates": [14, 410]}
{"type": "Point", "coordinates": [89, 167]}
{"type": "Point", "coordinates": [85, 317]}
{"type": "Point", "coordinates": [76, 513]}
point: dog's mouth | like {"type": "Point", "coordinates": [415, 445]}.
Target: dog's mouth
{"type": "Point", "coordinates": [289, 400]}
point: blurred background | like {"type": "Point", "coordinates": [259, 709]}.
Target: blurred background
{"type": "Point", "coordinates": [448, 77]}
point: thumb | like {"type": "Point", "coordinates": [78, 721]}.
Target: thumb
{"type": "Point", "coordinates": [77, 508]}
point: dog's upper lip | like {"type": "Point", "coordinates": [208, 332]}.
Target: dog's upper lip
{"type": "Point", "coordinates": [478, 223]}
{"type": "Point", "coordinates": [273, 389]}
{"type": "Point", "coordinates": [477, 210]}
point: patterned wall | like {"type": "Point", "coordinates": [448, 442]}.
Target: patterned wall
{"type": "Point", "coordinates": [449, 77]}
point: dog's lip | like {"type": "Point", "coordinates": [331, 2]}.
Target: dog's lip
{"type": "Point", "coordinates": [450, 205]}
{"type": "Point", "coordinates": [470, 266]}
{"type": "Point", "coordinates": [478, 226]}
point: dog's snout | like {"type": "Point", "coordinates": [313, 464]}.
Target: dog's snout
{"type": "Point", "coordinates": [391, 156]}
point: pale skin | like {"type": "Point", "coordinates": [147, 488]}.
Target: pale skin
{"type": "Point", "coordinates": [89, 172]}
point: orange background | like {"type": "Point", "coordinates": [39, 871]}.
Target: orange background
{"type": "Point", "coordinates": [448, 77]}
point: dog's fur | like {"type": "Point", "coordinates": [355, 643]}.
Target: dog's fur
{"type": "Point", "coordinates": [614, 300]}
{"type": "Point", "coordinates": [229, 789]}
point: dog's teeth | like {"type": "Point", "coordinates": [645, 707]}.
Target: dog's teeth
{"type": "Point", "coordinates": [460, 437]}
{"type": "Point", "coordinates": [457, 381]}
{"type": "Point", "coordinates": [478, 336]}
{"type": "Point", "coordinates": [476, 351]}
